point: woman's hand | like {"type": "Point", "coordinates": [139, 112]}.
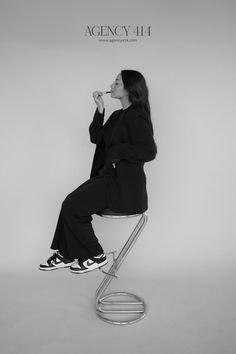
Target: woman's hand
{"type": "Point", "coordinates": [111, 155]}
{"type": "Point", "coordinates": [97, 95]}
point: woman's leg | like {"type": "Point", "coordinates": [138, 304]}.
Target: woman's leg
{"type": "Point", "coordinates": [74, 235]}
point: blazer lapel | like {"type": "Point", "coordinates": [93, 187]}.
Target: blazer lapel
{"type": "Point", "coordinates": [116, 127]}
{"type": "Point", "coordinates": [119, 120]}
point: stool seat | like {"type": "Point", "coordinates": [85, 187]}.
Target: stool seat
{"type": "Point", "coordinates": [110, 213]}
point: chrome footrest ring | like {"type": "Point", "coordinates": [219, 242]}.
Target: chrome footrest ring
{"type": "Point", "coordinates": [136, 308]}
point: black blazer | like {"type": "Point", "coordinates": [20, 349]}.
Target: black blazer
{"type": "Point", "coordinates": [132, 144]}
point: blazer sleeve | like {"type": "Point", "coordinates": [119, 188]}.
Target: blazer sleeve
{"type": "Point", "coordinates": [142, 146]}
{"type": "Point", "coordinates": [96, 125]}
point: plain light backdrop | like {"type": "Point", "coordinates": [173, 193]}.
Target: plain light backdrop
{"type": "Point", "coordinates": [183, 264]}
{"type": "Point", "coordinates": [49, 70]}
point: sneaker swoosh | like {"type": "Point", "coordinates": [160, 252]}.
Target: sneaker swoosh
{"type": "Point", "coordinates": [89, 263]}
{"type": "Point", "coordinates": [54, 262]}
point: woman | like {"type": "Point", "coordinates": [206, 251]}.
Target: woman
{"type": "Point", "coordinates": [117, 179]}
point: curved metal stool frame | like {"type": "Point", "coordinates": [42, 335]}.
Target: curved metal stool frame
{"type": "Point", "coordinates": [100, 301]}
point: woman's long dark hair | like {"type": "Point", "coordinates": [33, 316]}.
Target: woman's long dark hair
{"type": "Point", "coordinates": [135, 84]}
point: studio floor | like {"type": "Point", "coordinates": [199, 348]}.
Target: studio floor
{"type": "Point", "coordinates": [53, 312]}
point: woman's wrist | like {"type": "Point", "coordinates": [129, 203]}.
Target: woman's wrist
{"type": "Point", "coordinates": [100, 110]}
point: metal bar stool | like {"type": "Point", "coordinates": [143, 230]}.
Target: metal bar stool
{"type": "Point", "coordinates": [136, 305]}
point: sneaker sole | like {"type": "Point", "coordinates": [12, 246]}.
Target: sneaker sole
{"type": "Point", "coordinates": [93, 267]}
{"type": "Point", "coordinates": [56, 267]}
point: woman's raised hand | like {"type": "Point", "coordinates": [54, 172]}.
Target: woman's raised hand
{"type": "Point", "coordinates": [97, 95]}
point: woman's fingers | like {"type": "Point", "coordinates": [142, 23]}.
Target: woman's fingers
{"type": "Point", "coordinates": [97, 94]}
{"type": "Point", "coordinates": [97, 97]}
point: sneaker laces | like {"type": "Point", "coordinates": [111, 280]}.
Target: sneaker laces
{"type": "Point", "coordinates": [53, 257]}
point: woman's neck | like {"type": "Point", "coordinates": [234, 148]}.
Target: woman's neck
{"type": "Point", "coordinates": [125, 102]}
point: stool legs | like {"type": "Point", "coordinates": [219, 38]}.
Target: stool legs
{"type": "Point", "coordinates": [137, 305]}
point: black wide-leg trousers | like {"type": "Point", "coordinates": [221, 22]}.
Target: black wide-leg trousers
{"type": "Point", "coordinates": [74, 235]}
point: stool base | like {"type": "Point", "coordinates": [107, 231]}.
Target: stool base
{"type": "Point", "coordinates": [136, 308]}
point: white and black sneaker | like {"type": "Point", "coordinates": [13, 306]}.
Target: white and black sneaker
{"type": "Point", "coordinates": [89, 264]}
{"type": "Point", "coordinates": [56, 261]}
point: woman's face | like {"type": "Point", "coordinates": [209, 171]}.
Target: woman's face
{"type": "Point", "coordinates": [117, 88]}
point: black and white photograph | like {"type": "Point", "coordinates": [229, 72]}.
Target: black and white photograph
{"type": "Point", "coordinates": [118, 200]}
